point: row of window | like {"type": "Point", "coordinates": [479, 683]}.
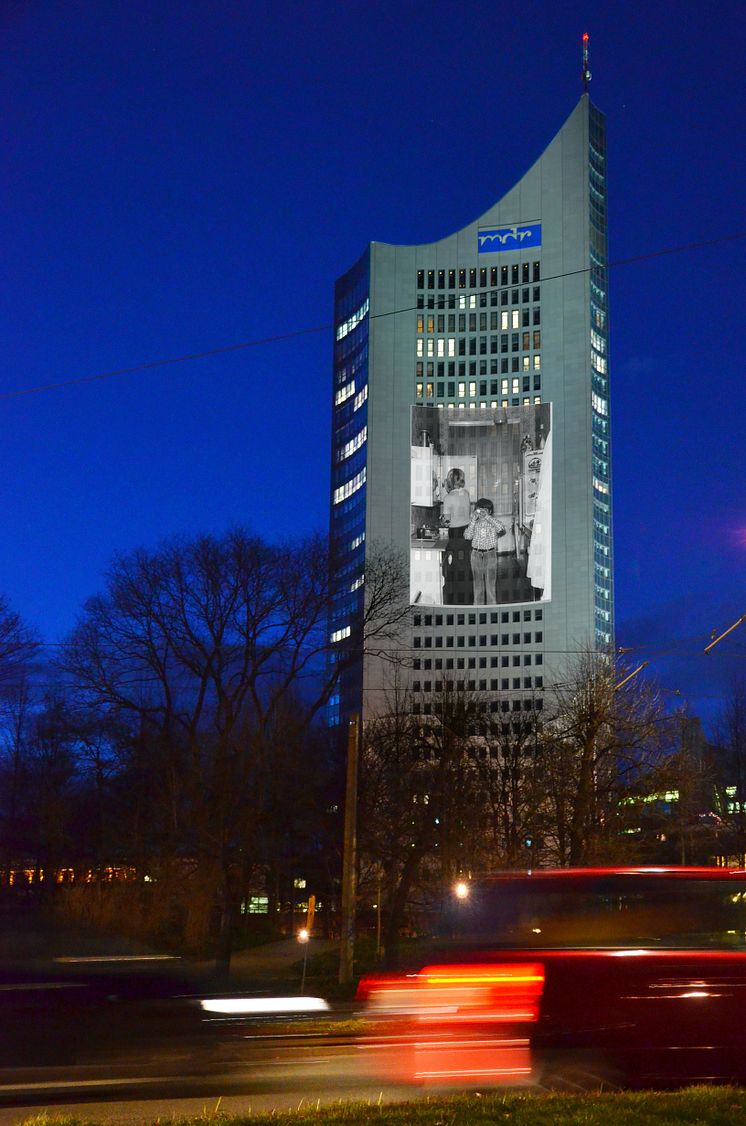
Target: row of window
{"type": "Point", "coordinates": [447, 346]}
{"type": "Point", "coordinates": [492, 706]}
{"type": "Point", "coordinates": [503, 684]}
{"type": "Point", "coordinates": [515, 386]}
{"type": "Point", "coordinates": [518, 272]}
{"type": "Point", "coordinates": [494, 404]}
{"type": "Point", "coordinates": [503, 616]}
{"type": "Point", "coordinates": [485, 404]}
{"type": "Point", "coordinates": [479, 300]}
{"type": "Point", "coordinates": [517, 363]}
{"type": "Point", "coordinates": [462, 641]}
{"type": "Point", "coordinates": [427, 663]}
{"type": "Point", "coordinates": [508, 318]}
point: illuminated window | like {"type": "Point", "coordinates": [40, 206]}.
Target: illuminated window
{"type": "Point", "coordinates": [420, 322]}
{"type": "Point", "coordinates": [256, 905]}
{"type": "Point", "coordinates": [503, 386]}
{"type": "Point", "coordinates": [420, 347]}
{"type": "Point", "coordinates": [461, 390]}
{"type": "Point", "coordinates": [429, 390]}
{"type": "Point", "coordinates": [599, 405]}
{"type": "Point", "coordinates": [515, 387]}
{"type": "Point", "coordinates": [354, 320]}
{"type": "Point", "coordinates": [504, 404]}
{"type": "Point", "coordinates": [526, 360]}
{"type": "Point", "coordinates": [515, 318]}
{"type": "Point", "coordinates": [419, 390]}
{"type": "Point", "coordinates": [472, 390]}
{"type": "Point", "coordinates": [537, 338]}
{"type": "Point", "coordinates": [430, 347]}
{"type": "Point", "coordinates": [537, 362]}
{"type": "Point", "coordinates": [431, 324]}
{"type": "Point", "coordinates": [344, 393]}
{"type": "Point", "coordinates": [354, 444]}
{"type": "Point", "coordinates": [504, 319]}
{"type": "Point", "coordinates": [441, 347]}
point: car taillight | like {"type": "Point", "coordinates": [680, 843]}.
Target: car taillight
{"type": "Point", "coordinates": [453, 1023]}
{"type": "Point", "coordinates": [508, 992]}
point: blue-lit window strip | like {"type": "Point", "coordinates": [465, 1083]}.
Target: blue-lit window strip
{"type": "Point", "coordinates": [353, 321]}
{"type": "Point", "coordinates": [352, 445]}
{"type": "Point", "coordinates": [347, 523]}
{"type": "Point", "coordinates": [349, 487]}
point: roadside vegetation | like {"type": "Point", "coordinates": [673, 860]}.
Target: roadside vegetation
{"type": "Point", "coordinates": [716, 1106]}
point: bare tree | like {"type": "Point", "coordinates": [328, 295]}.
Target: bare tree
{"type": "Point", "coordinates": [602, 734]}
{"type": "Point", "coordinates": [18, 648]}
{"type": "Point", "coordinates": [512, 766]}
{"type": "Point", "coordinates": [421, 802]}
{"type": "Point", "coordinates": [18, 645]}
{"type": "Point", "coordinates": [209, 644]}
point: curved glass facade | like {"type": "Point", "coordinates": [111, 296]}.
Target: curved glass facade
{"type": "Point", "coordinates": [348, 477]}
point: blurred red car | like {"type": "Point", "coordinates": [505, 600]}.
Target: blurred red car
{"type": "Point", "coordinates": [577, 976]}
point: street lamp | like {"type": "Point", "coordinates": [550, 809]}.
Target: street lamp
{"type": "Point", "coordinates": [461, 890]}
{"type": "Point", "coordinates": [303, 937]}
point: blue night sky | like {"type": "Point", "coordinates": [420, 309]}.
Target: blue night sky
{"type": "Point", "coordinates": [187, 176]}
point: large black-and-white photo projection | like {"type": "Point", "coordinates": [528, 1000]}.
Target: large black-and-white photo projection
{"type": "Point", "coordinates": [481, 506]}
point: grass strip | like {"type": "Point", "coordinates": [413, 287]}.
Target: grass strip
{"type": "Point", "coordinates": [698, 1106]}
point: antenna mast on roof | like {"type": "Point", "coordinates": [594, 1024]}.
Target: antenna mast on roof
{"type": "Point", "coordinates": [585, 74]}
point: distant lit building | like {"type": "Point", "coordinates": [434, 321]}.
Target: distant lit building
{"type": "Point", "coordinates": [476, 368]}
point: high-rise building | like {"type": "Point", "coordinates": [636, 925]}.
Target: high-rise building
{"type": "Point", "coordinates": [470, 429]}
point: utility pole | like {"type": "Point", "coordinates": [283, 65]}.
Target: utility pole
{"type": "Point", "coordinates": [725, 633]}
{"type": "Point", "coordinates": [349, 855]}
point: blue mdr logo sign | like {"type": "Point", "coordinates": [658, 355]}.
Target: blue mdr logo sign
{"type": "Point", "coordinates": [509, 238]}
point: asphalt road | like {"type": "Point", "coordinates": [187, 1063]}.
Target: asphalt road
{"type": "Point", "coordinates": [102, 1028]}
{"type": "Point", "coordinates": [273, 1073]}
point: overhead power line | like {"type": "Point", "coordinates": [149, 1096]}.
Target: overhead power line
{"type": "Point", "coordinates": [278, 338]}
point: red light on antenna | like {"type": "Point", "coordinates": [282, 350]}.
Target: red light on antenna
{"type": "Point", "coordinates": [585, 36]}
